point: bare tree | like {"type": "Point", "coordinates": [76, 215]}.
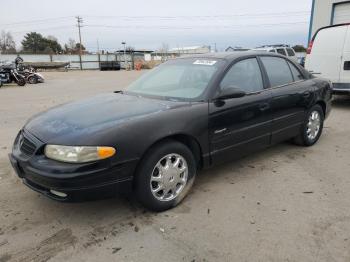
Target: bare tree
{"type": "Point", "coordinates": [163, 50]}
{"type": "Point", "coordinates": [70, 46]}
{"type": "Point", "coordinates": [7, 44]}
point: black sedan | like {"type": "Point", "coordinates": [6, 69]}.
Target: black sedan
{"type": "Point", "coordinates": [187, 114]}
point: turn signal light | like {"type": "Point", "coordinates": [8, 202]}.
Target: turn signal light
{"type": "Point", "coordinates": [105, 152]}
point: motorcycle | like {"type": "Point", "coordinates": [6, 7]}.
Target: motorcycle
{"type": "Point", "coordinates": [9, 74]}
{"type": "Point", "coordinates": [30, 74]}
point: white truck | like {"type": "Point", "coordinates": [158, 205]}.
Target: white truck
{"type": "Point", "coordinates": [328, 56]}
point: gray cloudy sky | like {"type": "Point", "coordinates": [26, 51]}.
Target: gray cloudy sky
{"type": "Point", "coordinates": [148, 24]}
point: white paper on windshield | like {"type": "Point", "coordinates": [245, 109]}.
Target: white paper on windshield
{"type": "Point", "coordinates": [205, 62]}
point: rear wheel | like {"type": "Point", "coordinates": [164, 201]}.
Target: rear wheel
{"type": "Point", "coordinates": [32, 80]}
{"type": "Point", "coordinates": [165, 175]}
{"type": "Point", "coordinates": [312, 127]}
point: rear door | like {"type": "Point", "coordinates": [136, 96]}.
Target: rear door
{"type": "Point", "coordinates": [325, 59]}
{"type": "Point", "coordinates": [344, 77]}
{"type": "Point", "coordinates": [291, 95]}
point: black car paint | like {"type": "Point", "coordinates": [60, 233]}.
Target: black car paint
{"type": "Point", "coordinates": [215, 131]}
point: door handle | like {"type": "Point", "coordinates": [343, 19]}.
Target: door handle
{"type": "Point", "coordinates": [264, 106]}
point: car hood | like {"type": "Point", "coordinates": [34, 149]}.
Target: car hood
{"type": "Point", "coordinates": [88, 117]}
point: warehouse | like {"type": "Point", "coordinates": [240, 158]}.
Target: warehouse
{"type": "Point", "coordinates": [328, 12]}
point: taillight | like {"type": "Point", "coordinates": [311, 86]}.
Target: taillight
{"type": "Point", "coordinates": [308, 51]}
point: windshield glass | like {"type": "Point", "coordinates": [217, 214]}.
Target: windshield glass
{"type": "Point", "coordinates": [180, 78]}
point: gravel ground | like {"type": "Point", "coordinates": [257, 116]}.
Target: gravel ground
{"type": "Point", "coordinates": [287, 203]}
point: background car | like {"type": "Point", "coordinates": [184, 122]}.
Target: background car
{"type": "Point", "coordinates": [279, 49]}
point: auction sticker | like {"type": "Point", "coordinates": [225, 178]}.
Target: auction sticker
{"type": "Point", "coordinates": [205, 62]}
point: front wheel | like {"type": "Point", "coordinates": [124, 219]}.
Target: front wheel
{"type": "Point", "coordinates": [165, 175]}
{"type": "Point", "coordinates": [21, 81]}
{"type": "Point", "coordinates": [312, 127]}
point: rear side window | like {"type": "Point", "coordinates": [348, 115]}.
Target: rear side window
{"type": "Point", "coordinates": [245, 75]}
{"type": "Point", "coordinates": [272, 51]}
{"type": "Point", "coordinates": [295, 72]}
{"type": "Point", "coordinates": [277, 70]}
{"type": "Point", "coordinates": [281, 51]}
{"type": "Point", "coordinates": [290, 52]}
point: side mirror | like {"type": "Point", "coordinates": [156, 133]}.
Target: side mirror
{"type": "Point", "coordinates": [230, 92]}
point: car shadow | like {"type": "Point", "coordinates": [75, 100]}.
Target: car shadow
{"type": "Point", "coordinates": [127, 206]}
{"type": "Point", "coordinates": [99, 220]}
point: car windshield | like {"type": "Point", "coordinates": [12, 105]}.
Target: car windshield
{"type": "Point", "coordinates": [177, 79]}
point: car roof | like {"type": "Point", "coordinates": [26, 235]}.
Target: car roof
{"type": "Point", "coordinates": [231, 55]}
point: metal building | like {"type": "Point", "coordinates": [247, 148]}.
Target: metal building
{"type": "Point", "coordinates": [328, 12]}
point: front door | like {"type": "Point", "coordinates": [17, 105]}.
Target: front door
{"type": "Point", "coordinates": [240, 125]}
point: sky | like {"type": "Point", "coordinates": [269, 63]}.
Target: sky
{"type": "Point", "coordinates": [152, 23]}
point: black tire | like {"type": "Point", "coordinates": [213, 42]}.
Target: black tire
{"type": "Point", "coordinates": [303, 139]}
{"type": "Point", "coordinates": [21, 81]}
{"type": "Point", "coordinates": [147, 167]}
{"type": "Point", "coordinates": [32, 80]}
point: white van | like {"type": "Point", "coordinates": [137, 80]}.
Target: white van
{"type": "Point", "coordinates": [328, 56]}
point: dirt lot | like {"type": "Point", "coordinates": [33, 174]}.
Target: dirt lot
{"type": "Point", "coordinates": [287, 203]}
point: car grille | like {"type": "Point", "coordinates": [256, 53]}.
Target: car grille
{"type": "Point", "coordinates": [26, 146]}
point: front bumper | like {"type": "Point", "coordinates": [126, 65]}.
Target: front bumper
{"type": "Point", "coordinates": [341, 88]}
{"type": "Point", "coordinates": [74, 182]}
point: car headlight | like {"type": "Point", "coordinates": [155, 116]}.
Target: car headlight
{"type": "Point", "coordinates": [78, 154]}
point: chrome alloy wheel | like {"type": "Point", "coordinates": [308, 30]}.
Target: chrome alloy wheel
{"type": "Point", "coordinates": [313, 126]}
{"type": "Point", "coordinates": [169, 177]}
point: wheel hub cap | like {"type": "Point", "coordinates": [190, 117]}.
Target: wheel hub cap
{"type": "Point", "coordinates": [313, 125]}
{"type": "Point", "coordinates": [169, 177]}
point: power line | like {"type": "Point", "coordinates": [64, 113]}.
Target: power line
{"type": "Point", "coordinates": [206, 16]}
{"type": "Point", "coordinates": [194, 26]}
{"type": "Point", "coordinates": [42, 29]}
{"type": "Point", "coordinates": [191, 17]}
{"type": "Point", "coordinates": [36, 21]}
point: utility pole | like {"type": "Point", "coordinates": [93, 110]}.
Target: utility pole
{"type": "Point", "coordinates": [80, 21]}
{"type": "Point", "coordinates": [124, 43]}
{"type": "Point", "coordinates": [98, 46]}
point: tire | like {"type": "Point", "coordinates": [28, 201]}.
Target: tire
{"type": "Point", "coordinates": [151, 169]}
{"type": "Point", "coordinates": [21, 81]}
{"type": "Point", "coordinates": [32, 80]}
{"type": "Point", "coordinates": [305, 138]}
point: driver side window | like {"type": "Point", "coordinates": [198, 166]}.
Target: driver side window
{"type": "Point", "coordinates": [245, 75]}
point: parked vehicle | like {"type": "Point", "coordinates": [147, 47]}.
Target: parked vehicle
{"type": "Point", "coordinates": [9, 74]}
{"type": "Point", "coordinates": [186, 114]}
{"type": "Point", "coordinates": [30, 74]}
{"type": "Point", "coordinates": [279, 49]}
{"type": "Point", "coordinates": [329, 56]}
